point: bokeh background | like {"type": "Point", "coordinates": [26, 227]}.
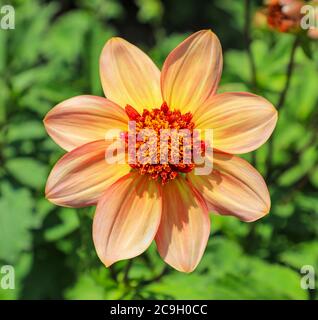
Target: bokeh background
{"type": "Point", "coordinates": [53, 54]}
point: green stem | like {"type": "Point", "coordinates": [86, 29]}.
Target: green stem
{"type": "Point", "coordinates": [248, 42]}
{"type": "Point", "coordinates": [289, 73]}
{"type": "Point", "coordinates": [164, 271]}
{"type": "Point", "coordinates": [113, 273]}
{"type": "Point", "coordinates": [281, 102]}
{"type": "Point", "coordinates": [126, 272]}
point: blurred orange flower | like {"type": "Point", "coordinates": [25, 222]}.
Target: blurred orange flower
{"type": "Point", "coordinates": [284, 15]}
{"type": "Point", "coordinates": [313, 31]}
{"type": "Point", "coordinates": [139, 203]}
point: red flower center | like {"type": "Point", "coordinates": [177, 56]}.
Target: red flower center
{"type": "Point", "coordinates": [163, 144]}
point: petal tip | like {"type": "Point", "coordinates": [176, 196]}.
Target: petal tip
{"type": "Point", "coordinates": [189, 268]}
{"type": "Point", "coordinates": [46, 120]}
{"type": "Point", "coordinates": [262, 214]}
{"type": "Point", "coordinates": [108, 263]}
{"type": "Point", "coordinates": [115, 40]}
{"type": "Point", "coordinates": [106, 260]}
{"type": "Point", "coordinates": [51, 199]}
{"type": "Point", "coordinates": [207, 31]}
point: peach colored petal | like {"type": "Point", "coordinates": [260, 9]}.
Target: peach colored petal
{"type": "Point", "coordinates": [80, 177]}
{"type": "Point", "coordinates": [127, 218]}
{"type": "Point", "coordinates": [313, 33]}
{"type": "Point", "coordinates": [292, 8]}
{"type": "Point", "coordinates": [185, 226]}
{"type": "Point", "coordinates": [129, 76]}
{"type": "Point", "coordinates": [192, 71]}
{"type": "Point", "coordinates": [241, 122]}
{"type": "Point", "coordinates": [83, 119]}
{"type": "Point", "coordinates": [233, 188]}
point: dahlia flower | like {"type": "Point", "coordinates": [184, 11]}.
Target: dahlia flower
{"type": "Point", "coordinates": [168, 203]}
{"type": "Point", "coordinates": [313, 30]}
{"type": "Point", "coordinates": [284, 15]}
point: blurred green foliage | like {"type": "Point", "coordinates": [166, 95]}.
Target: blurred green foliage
{"type": "Point", "coordinates": [52, 55]}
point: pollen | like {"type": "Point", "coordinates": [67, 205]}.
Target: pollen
{"type": "Point", "coordinates": [161, 124]}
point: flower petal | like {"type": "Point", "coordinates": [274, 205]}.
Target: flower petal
{"type": "Point", "coordinates": [313, 33]}
{"type": "Point", "coordinates": [233, 188]}
{"type": "Point", "coordinates": [192, 71]}
{"type": "Point", "coordinates": [127, 218]}
{"type": "Point", "coordinates": [80, 177]}
{"type": "Point", "coordinates": [185, 226]}
{"type": "Point", "coordinates": [241, 122]}
{"type": "Point", "coordinates": [292, 8]}
{"type": "Point", "coordinates": [129, 76]}
{"type": "Point", "coordinates": [83, 119]}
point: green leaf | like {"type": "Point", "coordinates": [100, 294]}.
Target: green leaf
{"type": "Point", "coordinates": [28, 171]}
{"type": "Point", "coordinates": [291, 176]}
{"type": "Point", "coordinates": [237, 65]}
{"type": "Point", "coordinates": [284, 209]}
{"type": "Point", "coordinates": [110, 9]}
{"type": "Point", "coordinates": [65, 40]}
{"type": "Point", "coordinates": [313, 177]}
{"type": "Point", "coordinates": [35, 21]}
{"type": "Point", "coordinates": [3, 49]}
{"type": "Point", "coordinates": [86, 289]}
{"type": "Point", "coordinates": [259, 280]}
{"type": "Point", "coordinates": [287, 132]}
{"type": "Point", "coordinates": [304, 100]}
{"type": "Point", "coordinates": [149, 10]}
{"type": "Point", "coordinates": [69, 223]}
{"type": "Point", "coordinates": [230, 226]}
{"type": "Point", "coordinates": [22, 267]}
{"type": "Point", "coordinates": [98, 38]}
{"type": "Point", "coordinates": [94, 285]}
{"type": "Point", "coordinates": [4, 96]}
{"type": "Point", "coordinates": [301, 254]}
{"type": "Point", "coordinates": [307, 202]}
{"type": "Point", "coordinates": [308, 160]}
{"type": "Point", "coordinates": [306, 46]}
{"type": "Point", "coordinates": [16, 222]}
{"type": "Point", "coordinates": [217, 256]}
{"type": "Point", "coordinates": [229, 274]}
{"type": "Point", "coordinates": [176, 286]}
{"type": "Point", "coordinates": [31, 129]}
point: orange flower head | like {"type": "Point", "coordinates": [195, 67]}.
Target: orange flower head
{"type": "Point", "coordinates": [160, 196]}
{"type": "Point", "coordinates": [313, 31]}
{"type": "Point", "coordinates": [284, 15]}
{"type": "Point", "coordinates": [158, 120]}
